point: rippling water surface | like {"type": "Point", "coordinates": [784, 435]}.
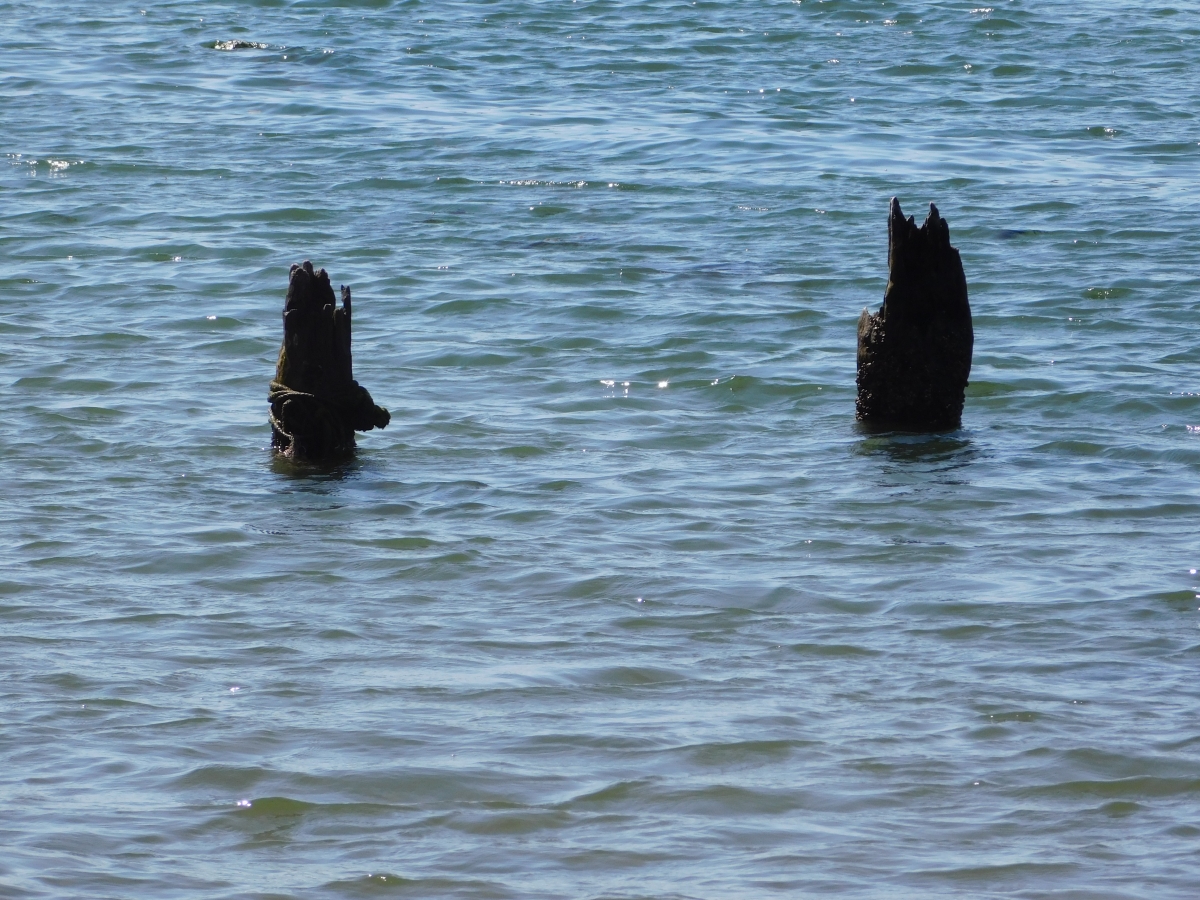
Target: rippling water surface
{"type": "Point", "coordinates": [623, 604]}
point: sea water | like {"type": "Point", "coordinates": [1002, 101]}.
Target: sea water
{"type": "Point", "coordinates": [623, 603]}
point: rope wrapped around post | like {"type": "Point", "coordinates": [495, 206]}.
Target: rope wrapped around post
{"type": "Point", "coordinates": [316, 405]}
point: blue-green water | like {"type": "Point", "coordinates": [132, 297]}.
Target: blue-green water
{"type": "Point", "coordinates": [623, 604]}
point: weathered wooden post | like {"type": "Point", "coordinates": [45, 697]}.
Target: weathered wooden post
{"type": "Point", "coordinates": [316, 405]}
{"type": "Point", "coordinates": [914, 355]}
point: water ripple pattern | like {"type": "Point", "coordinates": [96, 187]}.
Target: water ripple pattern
{"type": "Point", "coordinates": [623, 604]}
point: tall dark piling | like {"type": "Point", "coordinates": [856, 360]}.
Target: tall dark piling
{"type": "Point", "coordinates": [316, 405]}
{"type": "Point", "coordinates": [914, 355]}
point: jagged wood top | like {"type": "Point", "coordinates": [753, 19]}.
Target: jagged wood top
{"type": "Point", "coordinates": [925, 273]}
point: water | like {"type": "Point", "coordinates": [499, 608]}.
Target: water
{"type": "Point", "coordinates": [623, 604]}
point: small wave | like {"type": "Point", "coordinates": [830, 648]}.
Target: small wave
{"type": "Point", "coordinates": [536, 182]}
{"type": "Point", "coordinates": [274, 806]}
{"type": "Point", "coordinates": [237, 45]}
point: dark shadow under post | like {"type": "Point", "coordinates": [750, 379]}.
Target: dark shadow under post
{"type": "Point", "coordinates": [914, 355]}
{"type": "Point", "coordinates": [316, 405]}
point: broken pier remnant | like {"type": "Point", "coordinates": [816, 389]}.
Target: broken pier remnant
{"type": "Point", "coordinates": [914, 355]}
{"type": "Point", "coordinates": [316, 405]}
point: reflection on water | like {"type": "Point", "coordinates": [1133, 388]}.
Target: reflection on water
{"type": "Point", "coordinates": [317, 475]}
{"type": "Point", "coordinates": [941, 450]}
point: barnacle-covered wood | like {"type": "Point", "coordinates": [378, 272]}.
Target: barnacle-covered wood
{"type": "Point", "coordinates": [914, 355]}
{"type": "Point", "coordinates": [316, 405]}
